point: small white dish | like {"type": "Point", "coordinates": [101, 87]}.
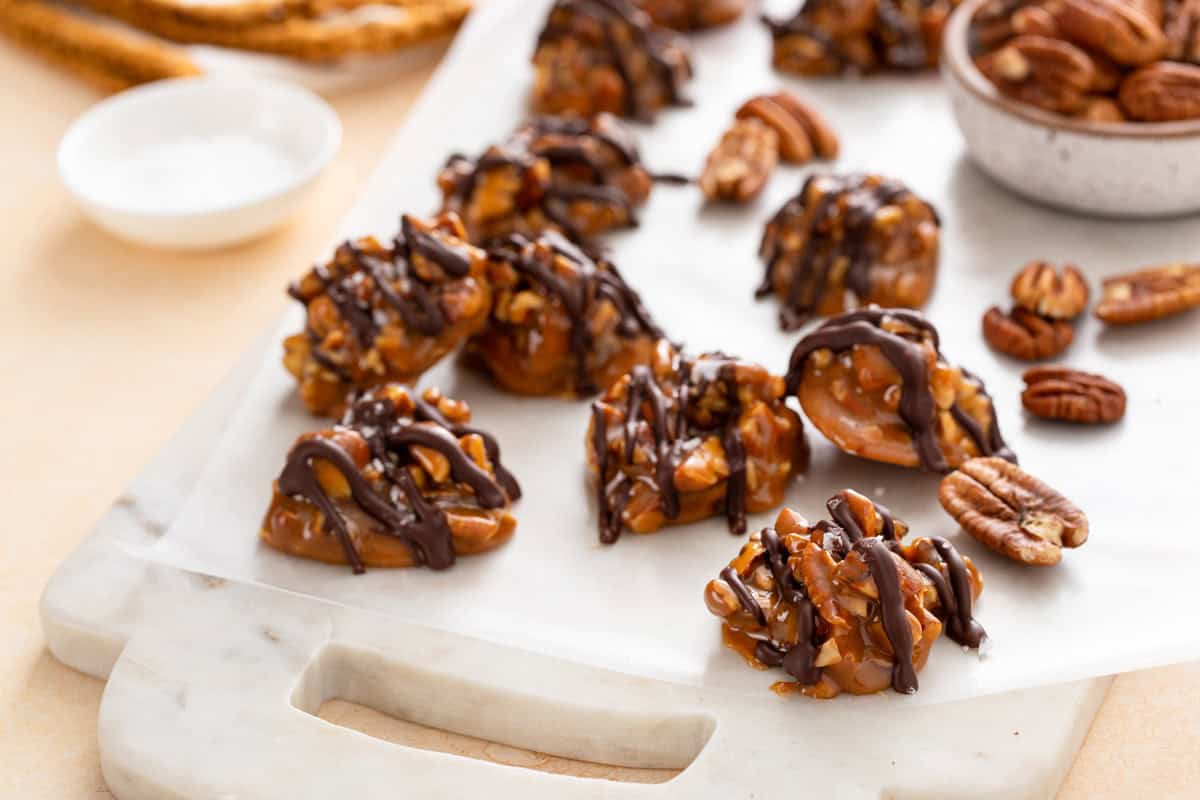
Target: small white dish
{"type": "Point", "coordinates": [197, 163]}
{"type": "Point", "coordinates": [1111, 169]}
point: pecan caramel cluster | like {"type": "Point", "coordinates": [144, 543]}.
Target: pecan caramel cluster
{"type": "Point", "coordinates": [690, 15]}
{"type": "Point", "coordinates": [607, 55]}
{"type": "Point", "coordinates": [403, 480]}
{"type": "Point", "coordinates": [681, 439]}
{"type": "Point", "coordinates": [562, 323]}
{"type": "Point", "coordinates": [830, 37]}
{"type": "Point", "coordinates": [874, 382]}
{"type": "Point", "coordinates": [844, 605]}
{"type": "Point", "coordinates": [381, 312]}
{"type": "Point", "coordinates": [1100, 60]}
{"type": "Point", "coordinates": [847, 241]}
{"type": "Point", "coordinates": [578, 177]}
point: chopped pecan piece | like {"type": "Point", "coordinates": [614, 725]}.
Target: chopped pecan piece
{"type": "Point", "coordinates": [1149, 294]}
{"type": "Point", "coordinates": [842, 605]}
{"type": "Point", "coordinates": [1162, 92]}
{"type": "Point", "coordinates": [578, 177]}
{"type": "Point", "coordinates": [1011, 512]}
{"type": "Point", "coordinates": [1025, 335]}
{"type": "Point", "coordinates": [739, 166]}
{"type": "Point", "coordinates": [562, 323]}
{"type": "Point", "coordinates": [1048, 73]}
{"type": "Point", "coordinates": [607, 55]}
{"type": "Point", "coordinates": [802, 131]}
{"type": "Point", "coordinates": [1116, 28]}
{"type": "Point", "coordinates": [1056, 392]}
{"type": "Point", "coordinates": [401, 481]}
{"type": "Point", "coordinates": [681, 439]}
{"type": "Point", "coordinates": [386, 312]}
{"type": "Point", "coordinates": [690, 15]}
{"type": "Point", "coordinates": [876, 384]}
{"type": "Point", "coordinates": [1039, 288]}
{"type": "Point", "coordinates": [827, 37]}
{"type": "Point", "coordinates": [847, 241]}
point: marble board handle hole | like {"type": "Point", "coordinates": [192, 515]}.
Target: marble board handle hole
{"type": "Point", "coordinates": [367, 691]}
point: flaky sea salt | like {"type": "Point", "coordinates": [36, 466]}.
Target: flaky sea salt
{"type": "Point", "coordinates": [198, 173]}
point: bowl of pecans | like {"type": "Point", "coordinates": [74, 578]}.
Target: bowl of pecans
{"type": "Point", "coordinates": [1087, 105]}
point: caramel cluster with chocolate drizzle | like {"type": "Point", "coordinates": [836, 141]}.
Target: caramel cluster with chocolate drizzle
{"type": "Point", "coordinates": [579, 177]}
{"type": "Point", "coordinates": [847, 241]}
{"type": "Point", "coordinates": [830, 37]}
{"type": "Point", "coordinates": [386, 312]}
{"type": "Point", "coordinates": [401, 481]}
{"type": "Point", "coordinates": [680, 439]}
{"type": "Point", "coordinates": [607, 55]}
{"type": "Point", "coordinates": [876, 384]}
{"type": "Point", "coordinates": [562, 322]}
{"type": "Point", "coordinates": [844, 605]}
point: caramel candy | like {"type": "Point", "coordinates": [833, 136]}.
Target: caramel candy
{"type": "Point", "coordinates": [386, 312]}
{"type": "Point", "coordinates": [577, 177]}
{"type": "Point", "coordinates": [846, 241]}
{"type": "Point", "coordinates": [690, 15]}
{"type": "Point", "coordinates": [876, 384]}
{"type": "Point", "coordinates": [829, 37]}
{"type": "Point", "coordinates": [401, 481]}
{"type": "Point", "coordinates": [683, 438]}
{"type": "Point", "coordinates": [607, 55]}
{"type": "Point", "coordinates": [843, 605]}
{"type": "Point", "coordinates": [562, 322]}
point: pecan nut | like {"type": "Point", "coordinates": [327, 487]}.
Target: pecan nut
{"type": "Point", "coordinates": [803, 131]}
{"type": "Point", "coordinates": [1116, 28]}
{"type": "Point", "coordinates": [1149, 294]}
{"type": "Point", "coordinates": [1162, 92]}
{"type": "Point", "coordinates": [1048, 73]}
{"type": "Point", "coordinates": [1102, 109]}
{"type": "Point", "coordinates": [1054, 392]}
{"type": "Point", "coordinates": [1182, 27]}
{"type": "Point", "coordinates": [1039, 288]}
{"type": "Point", "coordinates": [1022, 334]}
{"type": "Point", "coordinates": [1011, 512]}
{"type": "Point", "coordinates": [739, 166]}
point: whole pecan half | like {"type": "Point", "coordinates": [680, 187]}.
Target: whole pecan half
{"type": "Point", "coordinates": [1055, 392]}
{"type": "Point", "coordinates": [1041, 71]}
{"type": "Point", "coordinates": [1162, 92]}
{"type": "Point", "coordinates": [1182, 27]}
{"type": "Point", "coordinates": [1039, 288]}
{"type": "Point", "coordinates": [1025, 335]}
{"type": "Point", "coordinates": [1011, 512]}
{"type": "Point", "coordinates": [1116, 28]}
{"type": "Point", "coordinates": [1149, 294]}
{"type": "Point", "coordinates": [802, 130]}
{"type": "Point", "coordinates": [739, 166]}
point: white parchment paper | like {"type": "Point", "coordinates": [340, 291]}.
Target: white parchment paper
{"type": "Point", "coordinates": [1125, 600]}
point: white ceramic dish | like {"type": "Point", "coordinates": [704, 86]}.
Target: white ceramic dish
{"type": "Point", "coordinates": [1109, 169]}
{"type": "Point", "coordinates": [195, 163]}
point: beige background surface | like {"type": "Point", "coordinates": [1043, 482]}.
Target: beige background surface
{"type": "Point", "coordinates": [106, 348]}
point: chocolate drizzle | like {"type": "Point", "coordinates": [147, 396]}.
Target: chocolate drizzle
{"type": "Point", "coordinates": [891, 611]}
{"type": "Point", "coordinates": [578, 295]}
{"type": "Point", "coordinates": [403, 512]}
{"type": "Point", "coordinates": [856, 199]}
{"type": "Point", "coordinates": [674, 435]}
{"type": "Point", "coordinates": [955, 594]}
{"type": "Point", "coordinates": [361, 284]}
{"type": "Point", "coordinates": [654, 42]}
{"type": "Point", "coordinates": [917, 407]}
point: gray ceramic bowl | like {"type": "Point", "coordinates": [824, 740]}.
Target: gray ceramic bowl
{"type": "Point", "coordinates": [1115, 169]}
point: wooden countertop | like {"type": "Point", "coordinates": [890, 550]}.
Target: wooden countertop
{"type": "Point", "coordinates": [107, 348]}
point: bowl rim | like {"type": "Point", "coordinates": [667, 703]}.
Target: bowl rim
{"type": "Point", "coordinates": [321, 113]}
{"type": "Point", "coordinates": [957, 62]}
